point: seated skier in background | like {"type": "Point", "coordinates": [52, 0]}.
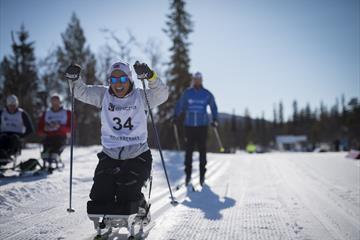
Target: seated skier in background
{"type": "Point", "coordinates": [54, 126]}
{"type": "Point", "coordinates": [125, 162]}
{"type": "Point", "coordinates": [15, 124]}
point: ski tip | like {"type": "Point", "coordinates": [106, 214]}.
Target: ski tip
{"type": "Point", "coordinates": [70, 210]}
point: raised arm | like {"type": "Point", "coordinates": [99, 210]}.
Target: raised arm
{"type": "Point", "coordinates": [158, 92]}
{"type": "Point", "coordinates": [90, 94]}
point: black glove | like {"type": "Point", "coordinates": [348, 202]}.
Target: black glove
{"type": "Point", "coordinates": [73, 72]}
{"type": "Point", "coordinates": [143, 71]}
{"type": "Point", "coordinates": [214, 124]}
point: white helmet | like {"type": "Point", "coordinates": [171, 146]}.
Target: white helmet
{"type": "Point", "coordinates": [121, 66]}
{"type": "Point", "coordinates": [12, 100]}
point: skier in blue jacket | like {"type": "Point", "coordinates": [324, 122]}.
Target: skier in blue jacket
{"type": "Point", "coordinates": [193, 103]}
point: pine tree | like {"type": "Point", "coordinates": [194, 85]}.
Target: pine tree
{"type": "Point", "coordinates": [20, 73]}
{"type": "Point", "coordinates": [179, 26]}
{"type": "Point", "coordinates": [281, 113]}
{"type": "Point", "coordinates": [248, 127]}
{"type": "Point", "coordinates": [74, 50]}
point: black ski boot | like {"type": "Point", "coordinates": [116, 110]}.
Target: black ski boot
{"type": "Point", "coordinates": [187, 180]}
{"type": "Point", "coordinates": [202, 180]}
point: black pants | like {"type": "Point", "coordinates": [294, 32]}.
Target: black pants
{"type": "Point", "coordinates": [54, 144]}
{"type": "Point", "coordinates": [120, 180]}
{"type": "Point", "coordinates": [195, 136]}
{"type": "Point", "coordinates": [10, 144]}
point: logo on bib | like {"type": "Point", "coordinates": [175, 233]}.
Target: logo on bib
{"type": "Point", "coordinates": [111, 107]}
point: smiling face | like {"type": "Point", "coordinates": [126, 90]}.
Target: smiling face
{"type": "Point", "coordinates": [120, 88]}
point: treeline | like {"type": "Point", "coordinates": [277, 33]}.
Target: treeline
{"type": "Point", "coordinates": [338, 124]}
{"type": "Point", "coordinates": [33, 81]}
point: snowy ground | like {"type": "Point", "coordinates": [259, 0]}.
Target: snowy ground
{"type": "Point", "coordinates": [265, 196]}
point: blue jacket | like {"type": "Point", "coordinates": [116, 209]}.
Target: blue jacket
{"type": "Point", "coordinates": [194, 103]}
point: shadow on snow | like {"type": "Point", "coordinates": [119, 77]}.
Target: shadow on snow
{"type": "Point", "coordinates": [209, 203]}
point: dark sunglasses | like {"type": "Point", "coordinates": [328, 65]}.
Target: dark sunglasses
{"type": "Point", "coordinates": [122, 79]}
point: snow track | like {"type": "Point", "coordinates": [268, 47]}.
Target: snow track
{"type": "Point", "coordinates": [271, 196]}
{"type": "Point", "coordinates": [267, 196]}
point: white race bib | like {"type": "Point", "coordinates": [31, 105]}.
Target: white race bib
{"type": "Point", "coordinates": [123, 120]}
{"type": "Point", "coordinates": [52, 118]}
{"type": "Point", "coordinates": [12, 122]}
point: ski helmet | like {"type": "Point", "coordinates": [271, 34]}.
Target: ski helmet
{"type": "Point", "coordinates": [121, 66]}
{"type": "Point", "coordinates": [12, 100]}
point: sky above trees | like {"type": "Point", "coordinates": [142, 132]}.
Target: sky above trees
{"type": "Point", "coordinates": [252, 53]}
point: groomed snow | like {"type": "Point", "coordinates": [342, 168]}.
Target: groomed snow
{"type": "Point", "coordinates": [262, 196]}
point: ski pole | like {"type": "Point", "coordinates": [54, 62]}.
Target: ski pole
{"type": "Point", "coordinates": [176, 133]}
{"type": "Point", "coordinates": [218, 139]}
{"type": "Point", "coordinates": [173, 201]}
{"type": "Point", "coordinates": [70, 209]}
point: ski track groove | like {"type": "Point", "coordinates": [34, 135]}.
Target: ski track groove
{"type": "Point", "coordinates": [276, 198]}
{"type": "Point", "coordinates": [337, 193]}
{"type": "Point", "coordinates": [35, 222]}
{"type": "Point", "coordinates": [324, 216]}
{"type": "Point", "coordinates": [161, 204]}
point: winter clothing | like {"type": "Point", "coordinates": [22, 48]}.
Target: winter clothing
{"type": "Point", "coordinates": [121, 66]}
{"type": "Point", "coordinates": [125, 161]}
{"type": "Point", "coordinates": [194, 103]}
{"type": "Point", "coordinates": [13, 127]}
{"type": "Point", "coordinates": [55, 123]}
{"type": "Point", "coordinates": [195, 136]}
{"type": "Point", "coordinates": [124, 178]}
{"type": "Point", "coordinates": [18, 123]}
{"type": "Point", "coordinates": [95, 94]}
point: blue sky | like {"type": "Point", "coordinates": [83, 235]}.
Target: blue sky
{"type": "Point", "coordinates": [252, 53]}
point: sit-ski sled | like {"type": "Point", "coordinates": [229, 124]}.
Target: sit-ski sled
{"type": "Point", "coordinates": [52, 161]}
{"type": "Point", "coordinates": [108, 217]}
{"type": "Point", "coordinates": [30, 167]}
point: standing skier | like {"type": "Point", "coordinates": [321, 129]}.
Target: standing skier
{"type": "Point", "coordinates": [54, 124]}
{"type": "Point", "coordinates": [15, 124]}
{"type": "Point", "coordinates": [193, 103]}
{"type": "Point", "coordinates": [125, 161]}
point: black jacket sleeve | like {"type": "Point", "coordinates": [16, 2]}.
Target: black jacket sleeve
{"type": "Point", "coordinates": [28, 124]}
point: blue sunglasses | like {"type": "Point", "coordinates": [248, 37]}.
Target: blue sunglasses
{"type": "Point", "coordinates": [122, 79]}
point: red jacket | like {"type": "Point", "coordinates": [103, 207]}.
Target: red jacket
{"type": "Point", "coordinates": [55, 123]}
